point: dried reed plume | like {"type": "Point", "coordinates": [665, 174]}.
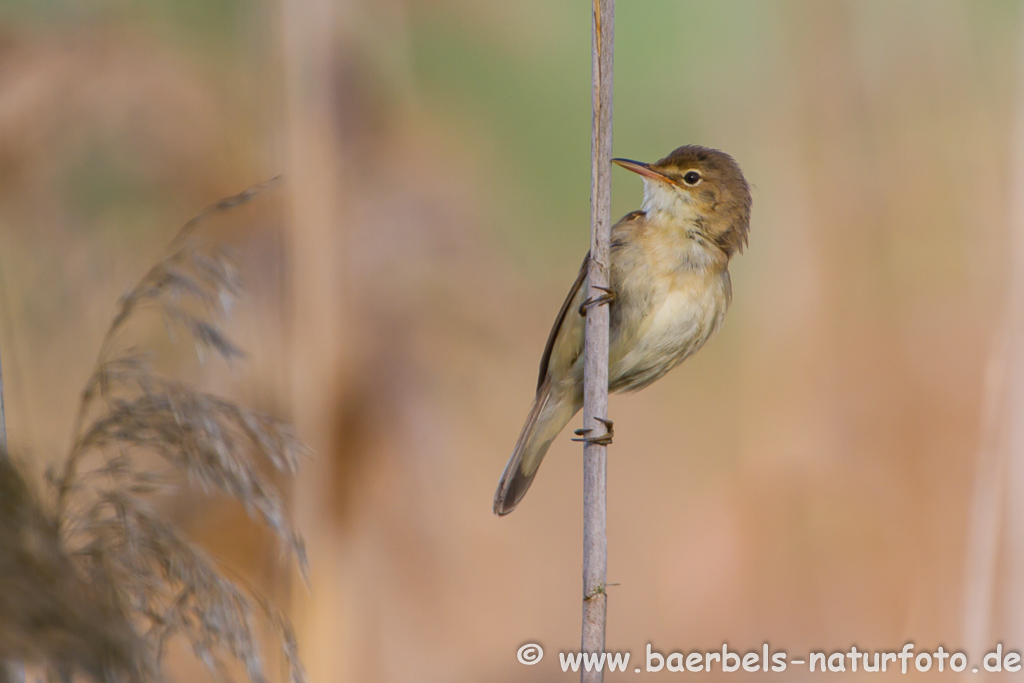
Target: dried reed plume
{"type": "Point", "coordinates": [98, 581]}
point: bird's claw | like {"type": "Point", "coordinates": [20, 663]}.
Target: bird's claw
{"type": "Point", "coordinates": [607, 298]}
{"type": "Point", "coordinates": [602, 440]}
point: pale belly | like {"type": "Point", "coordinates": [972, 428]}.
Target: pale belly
{"type": "Point", "coordinates": [677, 323]}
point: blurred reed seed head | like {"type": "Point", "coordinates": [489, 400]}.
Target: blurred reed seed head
{"type": "Point", "coordinates": [99, 581]}
{"type": "Point", "coordinates": [50, 612]}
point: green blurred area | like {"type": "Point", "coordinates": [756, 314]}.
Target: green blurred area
{"type": "Point", "coordinates": [522, 72]}
{"type": "Point", "coordinates": [216, 21]}
{"type": "Point", "coordinates": [530, 79]}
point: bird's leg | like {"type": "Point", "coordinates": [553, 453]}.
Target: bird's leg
{"type": "Point", "coordinates": [607, 298]}
{"type": "Point", "coordinates": [603, 439]}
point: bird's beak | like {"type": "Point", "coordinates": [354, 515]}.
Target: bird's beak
{"type": "Point", "coordinates": [641, 168]}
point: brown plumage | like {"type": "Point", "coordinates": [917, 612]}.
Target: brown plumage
{"type": "Point", "coordinates": [670, 276]}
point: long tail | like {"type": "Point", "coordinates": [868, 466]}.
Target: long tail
{"type": "Point", "coordinates": [547, 417]}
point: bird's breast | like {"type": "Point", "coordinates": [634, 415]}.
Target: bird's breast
{"type": "Point", "coordinates": [666, 317]}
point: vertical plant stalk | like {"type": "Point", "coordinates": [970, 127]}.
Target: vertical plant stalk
{"type": "Point", "coordinates": [318, 37]}
{"type": "Point", "coordinates": [595, 377]}
{"type": "Point", "coordinates": [1013, 602]}
{"type": "Point", "coordinates": [988, 499]}
{"type": "Point", "coordinates": [10, 671]}
{"type": "Point", "coordinates": [996, 526]}
{"type": "Point", "coordinates": [3, 415]}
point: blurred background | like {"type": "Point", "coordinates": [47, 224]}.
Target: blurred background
{"type": "Point", "coordinates": [840, 466]}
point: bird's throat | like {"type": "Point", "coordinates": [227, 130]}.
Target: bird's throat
{"type": "Point", "coordinates": [664, 204]}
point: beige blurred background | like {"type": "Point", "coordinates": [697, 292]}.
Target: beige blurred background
{"type": "Point", "coordinates": [834, 469]}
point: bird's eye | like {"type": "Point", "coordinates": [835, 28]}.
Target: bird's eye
{"type": "Point", "coordinates": [691, 178]}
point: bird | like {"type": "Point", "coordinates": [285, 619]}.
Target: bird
{"type": "Point", "coordinates": [669, 292]}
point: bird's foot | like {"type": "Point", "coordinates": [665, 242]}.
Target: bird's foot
{"type": "Point", "coordinates": [607, 298]}
{"type": "Point", "coordinates": [603, 439]}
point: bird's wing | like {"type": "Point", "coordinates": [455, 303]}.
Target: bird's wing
{"type": "Point", "coordinates": [570, 300]}
{"type": "Point", "coordinates": [567, 332]}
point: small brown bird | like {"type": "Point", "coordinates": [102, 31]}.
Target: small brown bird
{"type": "Point", "coordinates": [670, 289]}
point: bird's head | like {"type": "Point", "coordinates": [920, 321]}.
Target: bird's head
{"type": "Point", "coordinates": [701, 187]}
